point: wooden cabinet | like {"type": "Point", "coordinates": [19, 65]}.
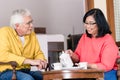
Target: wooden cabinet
{"type": "Point", "coordinates": [54, 50]}
{"type": "Point", "coordinates": [51, 45]}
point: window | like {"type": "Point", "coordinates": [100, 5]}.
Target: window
{"type": "Point", "coordinates": [117, 18]}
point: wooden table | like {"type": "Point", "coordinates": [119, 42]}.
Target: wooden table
{"type": "Point", "coordinates": [72, 74]}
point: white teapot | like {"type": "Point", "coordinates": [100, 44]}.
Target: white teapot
{"type": "Point", "coordinates": [65, 60]}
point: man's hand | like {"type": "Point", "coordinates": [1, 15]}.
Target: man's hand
{"type": "Point", "coordinates": [41, 64]}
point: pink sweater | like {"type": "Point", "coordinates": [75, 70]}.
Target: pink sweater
{"type": "Point", "coordinates": [101, 51]}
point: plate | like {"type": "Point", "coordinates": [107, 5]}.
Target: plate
{"type": "Point", "coordinates": [72, 68]}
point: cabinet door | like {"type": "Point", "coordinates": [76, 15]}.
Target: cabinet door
{"type": "Point", "coordinates": [54, 49]}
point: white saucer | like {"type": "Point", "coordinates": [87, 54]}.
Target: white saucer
{"type": "Point", "coordinates": [72, 68]}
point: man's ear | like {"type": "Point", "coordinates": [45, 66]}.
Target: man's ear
{"type": "Point", "coordinates": [17, 25]}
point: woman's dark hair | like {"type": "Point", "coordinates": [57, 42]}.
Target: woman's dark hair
{"type": "Point", "coordinates": [102, 24]}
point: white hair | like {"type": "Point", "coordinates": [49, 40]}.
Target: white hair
{"type": "Point", "coordinates": [17, 16]}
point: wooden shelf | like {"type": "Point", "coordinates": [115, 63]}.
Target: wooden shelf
{"type": "Point", "coordinates": [39, 30]}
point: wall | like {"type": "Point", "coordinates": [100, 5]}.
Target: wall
{"type": "Point", "coordinates": [65, 16]}
{"type": "Point", "coordinates": [37, 8]}
{"type": "Point", "coordinates": [102, 5]}
{"type": "Point", "coordinates": [58, 16]}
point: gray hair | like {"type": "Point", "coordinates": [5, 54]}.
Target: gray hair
{"type": "Point", "coordinates": [17, 16]}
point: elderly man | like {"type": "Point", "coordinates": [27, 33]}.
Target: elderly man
{"type": "Point", "coordinates": [18, 43]}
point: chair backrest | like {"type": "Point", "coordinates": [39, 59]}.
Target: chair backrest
{"type": "Point", "coordinates": [73, 40]}
{"type": "Point", "coordinates": [118, 69]}
{"type": "Point", "coordinates": [13, 65]}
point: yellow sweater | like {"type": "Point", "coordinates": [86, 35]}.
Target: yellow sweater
{"type": "Point", "coordinates": [12, 49]}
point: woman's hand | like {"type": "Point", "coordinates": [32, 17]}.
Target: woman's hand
{"type": "Point", "coordinates": [73, 56]}
{"type": "Point", "coordinates": [93, 66]}
{"type": "Point", "coordinates": [70, 52]}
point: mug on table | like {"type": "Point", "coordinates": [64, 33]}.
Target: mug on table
{"type": "Point", "coordinates": [56, 66]}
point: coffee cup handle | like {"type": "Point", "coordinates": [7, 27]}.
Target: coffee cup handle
{"type": "Point", "coordinates": [52, 65]}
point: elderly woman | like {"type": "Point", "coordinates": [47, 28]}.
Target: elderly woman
{"type": "Point", "coordinates": [97, 46]}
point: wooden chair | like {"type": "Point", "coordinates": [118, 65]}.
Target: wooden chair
{"type": "Point", "coordinates": [13, 65]}
{"type": "Point", "coordinates": [118, 61]}
{"type": "Point", "coordinates": [118, 70]}
{"type": "Point", "coordinates": [73, 40]}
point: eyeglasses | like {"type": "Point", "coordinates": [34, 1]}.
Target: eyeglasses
{"type": "Point", "coordinates": [90, 23]}
{"type": "Point", "coordinates": [30, 22]}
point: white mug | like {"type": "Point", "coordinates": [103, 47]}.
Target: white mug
{"type": "Point", "coordinates": [56, 66]}
{"type": "Point", "coordinates": [83, 65]}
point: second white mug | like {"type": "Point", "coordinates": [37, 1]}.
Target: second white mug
{"type": "Point", "coordinates": [56, 66]}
